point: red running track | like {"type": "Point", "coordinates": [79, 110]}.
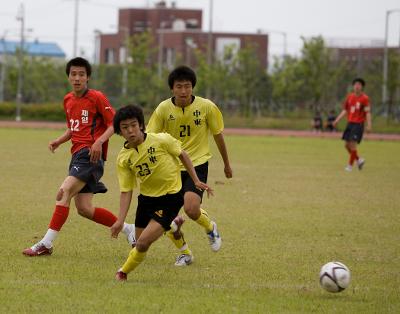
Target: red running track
{"type": "Point", "coordinates": [227, 131]}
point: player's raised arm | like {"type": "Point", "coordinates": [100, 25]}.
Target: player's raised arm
{"type": "Point", "coordinates": [124, 203]}
{"type": "Point", "coordinates": [65, 137]}
{"type": "Point", "coordinates": [187, 163]}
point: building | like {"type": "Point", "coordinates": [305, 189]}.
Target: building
{"type": "Point", "coordinates": [177, 33]}
{"type": "Point", "coordinates": [33, 49]}
{"type": "Point", "coordinates": [358, 52]}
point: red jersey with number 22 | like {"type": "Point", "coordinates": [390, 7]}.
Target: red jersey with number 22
{"type": "Point", "coordinates": [88, 117]}
{"type": "Point", "coordinates": [356, 107]}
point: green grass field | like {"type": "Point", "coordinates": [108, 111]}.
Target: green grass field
{"type": "Point", "coordinates": [290, 208]}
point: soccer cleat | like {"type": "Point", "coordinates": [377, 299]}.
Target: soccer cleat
{"type": "Point", "coordinates": [176, 226]}
{"type": "Point", "coordinates": [214, 238]}
{"type": "Point", "coordinates": [131, 237]}
{"type": "Point", "coordinates": [184, 260]}
{"type": "Point", "coordinates": [360, 163]}
{"type": "Point", "coordinates": [37, 250]}
{"type": "Point", "coordinates": [348, 168]}
{"type": "Point", "coordinates": [121, 276]}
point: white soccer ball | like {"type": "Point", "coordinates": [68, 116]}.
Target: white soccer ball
{"type": "Point", "coordinates": [334, 277]}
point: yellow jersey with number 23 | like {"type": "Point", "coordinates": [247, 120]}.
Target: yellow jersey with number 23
{"type": "Point", "coordinates": [154, 164]}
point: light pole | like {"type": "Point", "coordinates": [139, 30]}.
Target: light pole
{"type": "Point", "coordinates": [210, 45]}
{"type": "Point", "coordinates": [161, 32]}
{"type": "Point", "coordinates": [190, 44]}
{"type": "Point", "coordinates": [124, 56]}
{"type": "Point", "coordinates": [96, 53]}
{"type": "Point", "coordinates": [21, 18]}
{"type": "Point", "coordinates": [385, 58]}
{"type": "Point", "coordinates": [76, 18]}
{"type": "Point", "coordinates": [160, 51]}
{"type": "Point", "coordinates": [284, 35]}
{"type": "Point", "coordinates": [210, 35]}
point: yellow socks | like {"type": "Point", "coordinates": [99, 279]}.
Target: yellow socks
{"type": "Point", "coordinates": [134, 259]}
{"type": "Point", "coordinates": [179, 243]}
{"type": "Point", "coordinates": [205, 221]}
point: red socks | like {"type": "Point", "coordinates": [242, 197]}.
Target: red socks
{"type": "Point", "coordinates": [60, 216]}
{"type": "Point", "coordinates": [101, 216]}
{"type": "Point", "coordinates": [104, 217]}
{"type": "Point", "coordinates": [353, 157]}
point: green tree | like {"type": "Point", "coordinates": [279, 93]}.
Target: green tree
{"type": "Point", "coordinates": [287, 83]}
{"type": "Point", "coordinates": [310, 80]}
{"type": "Point", "coordinates": [320, 72]}
{"type": "Point", "coordinates": [254, 83]}
{"type": "Point", "coordinates": [108, 79]}
{"type": "Point", "coordinates": [236, 80]}
{"type": "Point", "coordinates": [44, 81]}
{"type": "Point", "coordinates": [219, 78]}
{"type": "Point", "coordinates": [144, 86]}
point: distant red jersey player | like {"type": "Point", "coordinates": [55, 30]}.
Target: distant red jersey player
{"type": "Point", "coordinates": [90, 125]}
{"type": "Point", "coordinates": [357, 107]}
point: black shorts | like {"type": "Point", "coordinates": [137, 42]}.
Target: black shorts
{"type": "Point", "coordinates": [353, 132]}
{"type": "Point", "coordinates": [162, 209]}
{"type": "Point", "coordinates": [187, 182]}
{"type": "Point", "coordinates": [81, 168]}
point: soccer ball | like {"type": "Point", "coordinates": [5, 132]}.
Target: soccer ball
{"type": "Point", "coordinates": [334, 277]}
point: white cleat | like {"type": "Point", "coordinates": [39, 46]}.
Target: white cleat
{"type": "Point", "coordinates": [360, 163]}
{"type": "Point", "coordinates": [131, 236]}
{"type": "Point", "coordinates": [348, 168]}
{"type": "Point", "coordinates": [184, 260]}
{"type": "Point", "coordinates": [214, 238]}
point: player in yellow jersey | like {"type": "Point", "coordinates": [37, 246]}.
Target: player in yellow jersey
{"type": "Point", "coordinates": [150, 161]}
{"type": "Point", "coordinates": [191, 119]}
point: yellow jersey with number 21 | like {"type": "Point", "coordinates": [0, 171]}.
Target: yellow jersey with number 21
{"type": "Point", "coordinates": [191, 125]}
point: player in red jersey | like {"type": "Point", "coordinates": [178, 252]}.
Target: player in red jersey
{"type": "Point", "coordinates": [358, 110]}
{"type": "Point", "coordinates": [90, 125]}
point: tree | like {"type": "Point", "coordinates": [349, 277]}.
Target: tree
{"type": "Point", "coordinates": [223, 84]}
{"type": "Point", "coordinates": [108, 79]}
{"type": "Point", "coordinates": [321, 73]}
{"type": "Point", "coordinates": [253, 80]}
{"type": "Point", "coordinates": [44, 81]}
{"type": "Point", "coordinates": [287, 83]}
{"type": "Point", "coordinates": [237, 80]}
{"type": "Point", "coordinates": [144, 85]}
{"type": "Point", "coordinates": [311, 80]}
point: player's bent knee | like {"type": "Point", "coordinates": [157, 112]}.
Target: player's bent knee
{"type": "Point", "coordinates": [142, 245]}
{"type": "Point", "coordinates": [60, 194]}
{"type": "Point", "coordinates": [63, 195]}
{"type": "Point", "coordinates": [193, 211]}
{"type": "Point", "coordinates": [83, 211]}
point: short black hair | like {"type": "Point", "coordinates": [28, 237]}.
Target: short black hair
{"type": "Point", "coordinates": [182, 73]}
{"type": "Point", "coordinates": [128, 112]}
{"type": "Point", "coordinates": [359, 80]}
{"type": "Point", "coordinates": [79, 62]}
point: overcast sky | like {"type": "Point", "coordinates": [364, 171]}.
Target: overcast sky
{"type": "Point", "coordinates": [53, 20]}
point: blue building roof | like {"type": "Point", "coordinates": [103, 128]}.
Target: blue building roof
{"type": "Point", "coordinates": [34, 48]}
